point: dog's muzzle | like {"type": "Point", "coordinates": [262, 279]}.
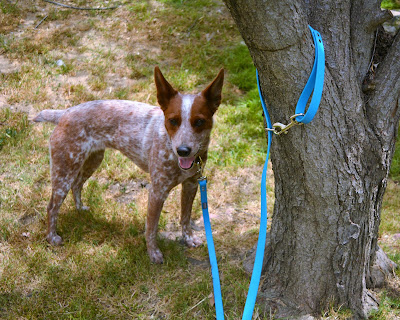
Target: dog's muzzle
{"type": "Point", "coordinates": [185, 162]}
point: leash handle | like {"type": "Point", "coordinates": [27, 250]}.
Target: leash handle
{"type": "Point", "coordinates": [314, 86]}
{"type": "Point", "coordinates": [315, 83]}
{"type": "Point", "coordinates": [219, 309]}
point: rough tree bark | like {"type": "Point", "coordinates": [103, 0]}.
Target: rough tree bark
{"type": "Point", "coordinates": [330, 175]}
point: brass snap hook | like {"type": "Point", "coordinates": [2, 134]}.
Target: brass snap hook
{"type": "Point", "coordinates": [200, 168]}
{"type": "Point", "coordinates": [279, 128]}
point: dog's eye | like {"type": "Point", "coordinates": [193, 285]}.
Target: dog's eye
{"type": "Point", "coordinates": [174, 122]}
{"type": "Point", "coordinates": [199, 123]}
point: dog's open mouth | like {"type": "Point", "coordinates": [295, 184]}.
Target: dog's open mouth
{"type": "Point", "coordinates": [186, 163]}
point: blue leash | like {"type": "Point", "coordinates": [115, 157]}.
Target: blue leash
{"type": "Point", "coordinates": [219, 309]}
{"type": "Point", "coordinates": [313, 86]}
{"type": "Point", "coordinates": [315, 83]}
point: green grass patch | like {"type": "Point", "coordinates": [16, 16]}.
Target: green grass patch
{"type": "Point", "coordinates": [9, 8]}
{"type": "Point", "coordinates": [390, 4]}
{"type": "Point", "coordinates": [242, 72]}
{"type": "Point", "coordinates": [389, 303]}
{"type": "Point", "coordinates": [241, 135]}
{"type": "Point", "coordinates": [13, 126]}
{"type": "Point", "coordinates": [390, 210]}
{"type": "Point", "coordinates": [395, 166]}
{"type": "Point", "coordinates": [10, 16]}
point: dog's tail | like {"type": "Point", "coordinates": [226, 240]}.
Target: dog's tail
{"type": "Point", "coordinates": [49, 116]}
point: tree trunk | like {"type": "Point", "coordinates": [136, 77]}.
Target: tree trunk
{"type": "Point", "coordinates": [331, 174]}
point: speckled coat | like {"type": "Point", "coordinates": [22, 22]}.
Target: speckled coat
{"type": "Point", "coordinates": [166, 142]}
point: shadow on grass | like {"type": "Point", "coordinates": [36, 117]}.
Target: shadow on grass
{"type": "Point", "coordinates": [102, 262]}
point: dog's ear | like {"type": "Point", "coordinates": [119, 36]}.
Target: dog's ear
{"type": "Point", "coordinates": [165, 92]}
{"type": "Point", "coordinates": [213, 91]}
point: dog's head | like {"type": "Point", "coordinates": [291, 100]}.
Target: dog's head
{"type": "Point", "coordinates": [188, 117]}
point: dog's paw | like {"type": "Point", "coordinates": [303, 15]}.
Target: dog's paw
{"type": "Point", "coordinates": [192, 241]}
{"type": "Point", "coordinates": [54, 239]}
{"type": "Point", "coordinates": [156, 256]}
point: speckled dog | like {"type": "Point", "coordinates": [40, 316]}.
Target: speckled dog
{"type": "Point", "coordinates": [166, 142]}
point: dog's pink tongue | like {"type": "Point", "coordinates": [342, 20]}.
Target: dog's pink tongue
{"type": "Point", "coordinates": [186, 163]}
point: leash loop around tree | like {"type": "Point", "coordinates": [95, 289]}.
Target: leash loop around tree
{"type": "Point", "coordinates": [315, 83]}
{"type": "Point", "coordinates": [313, 86]}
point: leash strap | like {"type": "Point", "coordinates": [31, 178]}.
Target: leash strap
{"type": "Point", "coordinates": [211, 250]}
{"type": "Point", "coordinates": [262, 237]}
{"type": "Point", "coordinates": [313, 86]}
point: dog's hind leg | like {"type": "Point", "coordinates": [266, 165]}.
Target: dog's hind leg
{"type": "Point", "coordinates": [89, 167]}
{"type": "Point", "coordinates": [66, 162]}
{"type": "Point", "coordinates": [189, 189]}
{"type": "Point", "coordinates": [60, 188]}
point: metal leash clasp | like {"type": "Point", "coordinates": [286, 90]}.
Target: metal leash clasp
{"type": "Point", "coordinates": [279, 128]}
{"type": "Point", "coordinates": [200, 169]}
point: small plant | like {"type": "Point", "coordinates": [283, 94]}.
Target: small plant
{"type": "Point", "coordinates": [66, 68]}
{"type": "Point", "coordinates": [4, 44]}
{"type": "Point", "coordinates": [98, 83]}
{"type": "Point", "coordinates": [79, 93]}
{"type": "Point", "coordinates": [9, 15]}
{"type": "Point", "coordinates": [9, 8]}
{"type": "Point", "coordinates": [12, 125]}
{"type": "Point", "coordinates": [140, 9]}
{"type": "Point", "coordinates": [122, 93]}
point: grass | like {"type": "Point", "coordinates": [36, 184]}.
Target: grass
{"type": "Point", "coordinates": [390, 4]}
{"type": "Point", "coordinates": [395, 167]}
{"type": "Point", "coordinates": [12, 127]}
{"type": "Point", "coordinates": [102, 271]}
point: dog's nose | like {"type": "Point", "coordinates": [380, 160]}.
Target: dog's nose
{"type": "Point", "coordinates": [183, 151]}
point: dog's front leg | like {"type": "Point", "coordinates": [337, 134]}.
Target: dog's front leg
{"type": "Point", "coordinates": [189, 189]}
{"type": "Point", "coordinates": [155, 205]}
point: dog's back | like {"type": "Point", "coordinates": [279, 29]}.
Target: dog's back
{"type": "Point", "coordinates": [90, 111]}
{"type": "Point", "coordinates": [128, 126]}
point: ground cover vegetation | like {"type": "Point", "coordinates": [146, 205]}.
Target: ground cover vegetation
{"type": "Point", "coordinates": [55, 57]}
{"type": "Point", "coordinates": [390, 4]}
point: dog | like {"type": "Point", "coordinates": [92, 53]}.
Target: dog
{"type": "Point", "coordinates": [166, 141]}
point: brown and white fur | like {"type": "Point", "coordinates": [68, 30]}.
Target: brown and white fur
{"type": "Point", "coordinates": [164, 141]}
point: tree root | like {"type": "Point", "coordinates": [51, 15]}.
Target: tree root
{"type": "Point", "coordinates": [381, 269]}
